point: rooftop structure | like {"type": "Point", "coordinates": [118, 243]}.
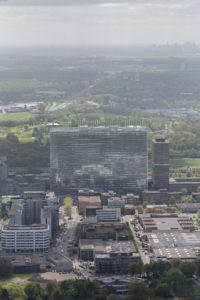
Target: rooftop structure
{"type": "Point", "coordinates": [98, 158]}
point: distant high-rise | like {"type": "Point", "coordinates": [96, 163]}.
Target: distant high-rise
{"type": "Point", "coordinates": [100, 158]}
{"type": "Point", "coordinates": [160, 163]}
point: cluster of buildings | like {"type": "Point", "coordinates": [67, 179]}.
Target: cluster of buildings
{"type": "Point", "coordinates": [105, 169]}
{"type": "Point", "coordinates": [105, 207]}
{"type": "Point", "coordinates": [107, 244]}
{"type": "Point", "coordinates": [33, 218]}
{"type": "Point", "coordinates": [170, 236]}
{"type": "Point", "coordinates": [104, 237]}
{"type": "Point", "coordinates": [12, 183]}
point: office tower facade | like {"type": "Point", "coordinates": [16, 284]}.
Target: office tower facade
{"type": "Point", "coordinates": [160, 163]}
{"type": "Point", "coordinates": [99, 158]}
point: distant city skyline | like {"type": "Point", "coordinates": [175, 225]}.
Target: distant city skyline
{"type": "Point", "coordinates": [98, 22]}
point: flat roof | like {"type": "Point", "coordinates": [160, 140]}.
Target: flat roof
{"type": "Point", "coordinates": [167, 224]}
{"type": "Point", "coordinates": [97, 129]}
{"type": "Point", "coordinates": [25, 227]}
{"type": "Point", "coordinates": [104, 247]}
{"type": "Point", "coordinates": [171, 253]}
{"type": "Point", "coordinates": [29, 259]}
{"type": "Point", "coordinates": [89, 199]}
{"type": "Point", "coordinates": [174, 239]}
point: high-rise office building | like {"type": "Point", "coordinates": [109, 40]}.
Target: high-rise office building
{"type": "Point", "coordinates": [160, 163]}
{"type": "Point", "coordinates": [100, 158]}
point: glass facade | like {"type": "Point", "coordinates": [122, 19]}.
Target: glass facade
{"type": "Point", "coordinates": [99, 158]}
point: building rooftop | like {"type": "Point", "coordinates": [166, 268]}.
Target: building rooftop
{"type": "Point", "coordinates": [25, 227]}
{"type": "Point", "coordinates": [160, 140]}
{"type": "Point", "coordinates": [174, 239]}
{"type": "Point", "coordinates": [173, 253]}
{"type": "Point", "coordinates": [107, 247]}
{"type": "Point", "coordinates": [92, 199]}
{"type": "Point", "coordinates": [97, 129]}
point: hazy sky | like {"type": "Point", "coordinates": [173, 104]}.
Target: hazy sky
{"type": "Point", "coordinates": [55, 22]}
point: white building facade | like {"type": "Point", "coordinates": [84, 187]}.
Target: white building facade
{"type": "Point", "coordinates": [33, 238]}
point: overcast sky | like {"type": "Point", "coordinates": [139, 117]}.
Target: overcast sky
{"type": "Point", "coordinates": [69, 22]}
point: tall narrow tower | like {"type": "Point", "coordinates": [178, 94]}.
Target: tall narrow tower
{"type": "Point", "coordinates": [160, 163]}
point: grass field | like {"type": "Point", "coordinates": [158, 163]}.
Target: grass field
{"type": "Point", "coordinates": [14, 276]}
{"type": "Point", "coordinates": [185, 162]}
{"type": "Point", "coordinates": [22, 116]}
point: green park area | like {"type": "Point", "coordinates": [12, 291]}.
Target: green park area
{"type": "Point", "coordinates": [68, 201]}
{"type": "Point", "coordinates": [185, 162]}
{"type": "Point", "coordinates": [15, 117]}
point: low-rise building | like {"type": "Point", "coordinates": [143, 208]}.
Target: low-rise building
{"type": "Point", "coordinates": [106, 195]}
{"type": "Point", "coordinates": [109, 256]}
{"type": "Point", "coordinates": [115, 231]}
{"type": "Point", "coordinates": [161, 196]}
{"type": "Point", "coordinates": [114, 263]}
{"type": "Point", "coordinates": [108, 215]}
{"type": "Point", "coordinates": [116, 202]}
{"type": "Point", "coordinates": [190, 183]}
{"type": "Point", "coordinates": [188, 207]}
{"type": "Point", "coordinates": [132, 199]}
{"type": "Point", "coordinates": [84, 201]}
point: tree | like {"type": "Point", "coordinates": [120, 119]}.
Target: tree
{"type": "Point", "coordinates": [136, 268]}
{"type": "Point", "coordinates": [145, 203]}
{"type": "Point", "coordinates": [50, 289]}
{"type": "Point", "coordinates": [157, 268]}
{"type": "Point", "coordinates": [137, 290]}
{"type": "Point", "coordinates": [32, 290]}
{"type": "Point", "coordinates": [113, 297]}
{"type": "Point", "coordinates": [197, 265]}
{"type": "Point", "coordinates": [162, 290]}
{"type": "Point", "coordinates": [140, 209]}
{"type": "Point", "coordinates": [15, 292]}
{"type": "Point", "coordinates": [175, 279]}
{"type": "Point", "coordinates": [172, 200]}
{"type": "Point", "coordinates": [175, 262]}
{"type": "Point", "coordinates": [4, 295]}
{"type": "Point", "coordinates": [184, 191]}
{"type": "Point", "coordinates": [12, 139]}
{"type": "Point", "coordinates": [187, 268]}
{"type": "Point", "coordinates": [6, 267]}
{"type": "Point", "coordinates": [198, 189]}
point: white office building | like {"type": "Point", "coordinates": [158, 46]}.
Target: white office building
{"type": "Point", "coordinates": [20, 238]}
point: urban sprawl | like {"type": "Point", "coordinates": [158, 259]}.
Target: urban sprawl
{"type": "Point", "coordinates": [96, 211]}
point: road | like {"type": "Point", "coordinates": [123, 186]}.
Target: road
{"type": "Point", "coordinates": [67, 234]}
{"type": "Point", "coordinates": [145, 258]}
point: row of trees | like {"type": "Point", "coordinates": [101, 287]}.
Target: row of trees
{"type": "Point", "coordinates": [160, 280]}
{"type": "Point", "coordinates": [66, 290]}
{"type": "Point", "coordinates": [30, 155]}
{"type": "Point", "coordinates": [167, 277]}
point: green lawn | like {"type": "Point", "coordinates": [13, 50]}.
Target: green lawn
{"type": "Point", "coordinates": [185, 162]}
{"type": "Point", "coordinates": [22, 116]}
{"type": "Point", "coordinates": [21, 276]}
